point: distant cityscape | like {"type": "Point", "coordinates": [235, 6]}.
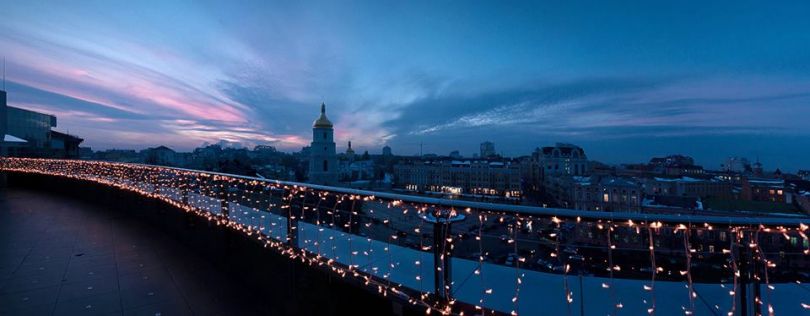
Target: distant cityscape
{"type": "Point", "coordinates": [404, 158]}
{"type": "Point", "coordinates": [555, 175]}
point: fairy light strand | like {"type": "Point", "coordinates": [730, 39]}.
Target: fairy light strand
{"type": "Point", "coordinates": [254, 207]}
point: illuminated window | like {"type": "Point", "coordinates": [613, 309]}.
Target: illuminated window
{"type": "Point", "coordinates": [606, 197]}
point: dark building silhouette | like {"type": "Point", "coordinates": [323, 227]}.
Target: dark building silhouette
{"type": "Point", "coordinates": [28, 133]}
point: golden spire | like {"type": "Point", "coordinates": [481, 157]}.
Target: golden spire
{"type": "Point", "coordinates": [322, 121]}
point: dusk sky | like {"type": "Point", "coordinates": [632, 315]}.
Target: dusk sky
{"type": "Point", "coordinates": [625, 82]}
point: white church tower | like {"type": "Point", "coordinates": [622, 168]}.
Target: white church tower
{"type": "Point", "coordinates": [323, 168]}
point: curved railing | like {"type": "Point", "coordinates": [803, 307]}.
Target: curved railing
{"type": "Point", "coordinates": [454, 257]}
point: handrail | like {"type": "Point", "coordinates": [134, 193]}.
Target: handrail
{"type": "Point", "coordinates": [600, 241]}
{"type": "Point", "coordinates": [532, 210]}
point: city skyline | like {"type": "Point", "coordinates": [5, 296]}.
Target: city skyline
{"type": "Point", "coordinates": [624, 83]}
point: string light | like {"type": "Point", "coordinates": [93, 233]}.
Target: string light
{"type": "Point", "coordinates": [258, 208]}
{"type": "Point", "coordinates": [653, 269]}
{"type": "Point", "coordinates": [690, 286]}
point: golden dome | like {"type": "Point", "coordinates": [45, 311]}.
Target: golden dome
{"type": "Point", "coordinates": [322, 121]}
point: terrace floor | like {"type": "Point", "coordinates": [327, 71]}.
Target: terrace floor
{"type": "Point", "coordinates": [60, 256]}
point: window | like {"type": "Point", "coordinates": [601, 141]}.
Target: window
{"type": "Point", "coordinates": [606, 197]}
{"type": "Point", "coordinates": [324, 135]}
{"type": "Point", "coordinates": [325, 165]}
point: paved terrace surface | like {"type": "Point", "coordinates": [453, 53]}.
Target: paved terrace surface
{"type": "Point", "coordinates": [60, 256]}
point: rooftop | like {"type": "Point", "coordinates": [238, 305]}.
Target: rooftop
{"type": "Point", "coordinates": [322, 121]}
{"type": "Point", "coordinates": [64, 257]}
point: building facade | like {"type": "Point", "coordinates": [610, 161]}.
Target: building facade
{"type": "Point", "coordinates": [163, 156]}
{"type": "Point", "coordinates": [736, 164]}
{"type": "Point", "coordinates": [355, 170]}
{"type": "Point", "coordinates": [469, 177]}
{"type": "Point", "coordinates": [689, 187]}
{"type": "Point", "coordinates": [32, 126]}
{"type": "Point", "coordinates": [768, 190]}
{"type": "Point", "coordinates": [65, 145]}
{"type": "Point", "coordinates": [27, 133]}
{"type": "Point", "coordinates": [561, 159]}
{"type": "Point", "coordinates": [592, 193]}
{"type": "Point", "coordinates": [3, 118]}
{"type": "Point", "coordinates": [487, 150]}
{"type": "Point", "coordinates": [323, 164]}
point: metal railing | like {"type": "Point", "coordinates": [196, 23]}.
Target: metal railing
{"type": "Point", "coordinates": [453, 257]}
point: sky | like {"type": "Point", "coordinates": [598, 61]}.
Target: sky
{"type": "Point", "coordinates": [624, 80]}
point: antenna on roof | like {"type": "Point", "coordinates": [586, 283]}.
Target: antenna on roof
{"type": "Point", "coordinates": [4, 73]}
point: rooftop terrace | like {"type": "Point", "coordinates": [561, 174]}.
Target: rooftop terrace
{"type": "Point", "coordinates": [453, 257]}
{"type": "Point", "coordinates": [62, 256]}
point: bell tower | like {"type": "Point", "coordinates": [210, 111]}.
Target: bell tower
{"type": "Point", "coordinates": [323, 158]}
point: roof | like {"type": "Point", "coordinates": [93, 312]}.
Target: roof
{"type": "Point", "coordinates": [681, 179]}
{"type": "Point", "coordinates": [617, 182]}
{"type": "Point", "coordinates": [766, 181]}
{"type": "Point", "coordinates": [322, 121]}
{"type": "Point", "coordinates": [162, 148]}
{"type": "Point", "coordinates": [66, 136]}
{"type": "Point", "coordinates": [582, 180]}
